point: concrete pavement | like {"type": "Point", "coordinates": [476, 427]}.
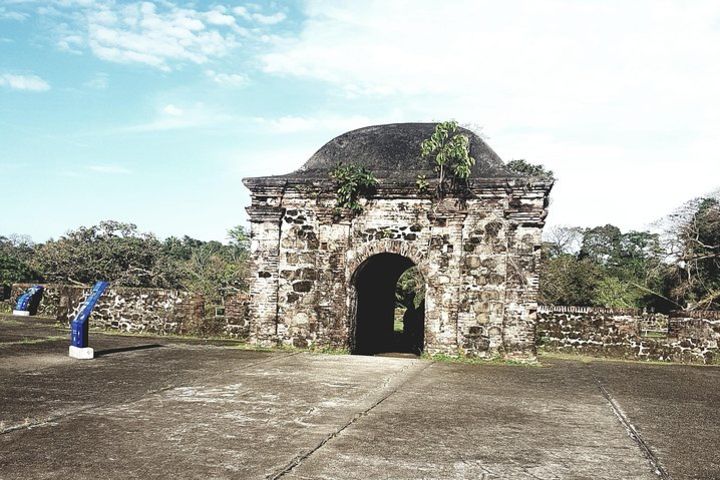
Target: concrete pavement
{"type": "Point", "coordinates": [166, 408]}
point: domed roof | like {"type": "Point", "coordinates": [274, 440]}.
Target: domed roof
{"type": "Point", "coordinates": [392, 151]}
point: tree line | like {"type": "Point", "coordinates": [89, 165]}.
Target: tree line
{"type": "Point", "coordinates": [120, 253]}
{"type": "Point", "coordinates": [676, 267]}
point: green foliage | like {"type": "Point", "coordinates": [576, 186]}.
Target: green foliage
{"type": "Point", "coordinates": [216, 270]}
{"type": "Point", "coordinates": [15, 255]}
{"type": "Point", "coordinates": [422, 183]}
{"type": "Point", "coordinates": [695, 277]}
{"type": "Point", "coordinates": [565, 280]}
{"type": "Point", "coordinates": [119, 253]}
{"type": "Point", "coordinates": [527, 168]}
{"type": "Point", "coordinates": [111, 251]}
{"type": "Point", "coordinates": [450, 152]}
{"type": "Point", "coordinates": [410, 288]}
{"type": "Point", "coordinates": [611, 292]}
{"type": "Point", "coordinates": [239, 238]}
{"type": "Point", "coordinates": [352, 182]}
{"type": "Point", "coordinates": [608, 268]}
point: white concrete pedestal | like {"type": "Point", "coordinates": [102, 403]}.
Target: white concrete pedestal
{"type": "Point", "coordinates": [86, 353]}
{"type": "Point", "coordinates": [21, 313]}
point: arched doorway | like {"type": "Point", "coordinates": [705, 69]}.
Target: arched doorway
{"type": "Point", "coordinates": [383, 318]}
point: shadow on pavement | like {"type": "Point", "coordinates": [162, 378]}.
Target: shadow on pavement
{"type": "Point", "coordinates": [110, 351]}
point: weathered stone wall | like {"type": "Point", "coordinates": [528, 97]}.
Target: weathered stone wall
{"type": "Point", "coordinates": [630, 333]}
{"type": "Point", "coordinates": [695, 336]}
{"type": "Point", "coordinates": [52, 303]}
{"type": "Point", "coordinates": [127, 309]}
{"type": "Point", "coordinates": [6, 299]}
{"type": "Point", "coordinates": [236, 322]}
{"type": "Point", "coordinates": [144, 310]}
{"type": "Point", "coordinates": [478, 255]}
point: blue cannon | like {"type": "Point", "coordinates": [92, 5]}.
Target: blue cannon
{"type": "Point", "coordinates": [28, 302]}
{"type": "Point", "coordinates": [79, 325]}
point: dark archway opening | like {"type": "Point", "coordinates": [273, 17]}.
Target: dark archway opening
{"type": "Point", "coordinates": [388, 317]}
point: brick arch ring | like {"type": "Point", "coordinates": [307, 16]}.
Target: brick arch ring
{"type": "Point", "coordinates": [357, 256]}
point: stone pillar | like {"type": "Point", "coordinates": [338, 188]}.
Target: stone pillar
{"type": "Point", "coordinates": [484, 264]}
{"type": "Point", "coordinates": [525, 214]}
{"type": "Point", "coordinates": [443, 295]}
{"type": "Point", "coordinates": [265, 221]}
{"type": "Point", "coordinates": [332, 282]}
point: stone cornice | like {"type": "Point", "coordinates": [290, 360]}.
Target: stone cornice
{"type": "Point", "coordinates": [480, 187]}
{"type": "Point", "coordinates": [265, 213]}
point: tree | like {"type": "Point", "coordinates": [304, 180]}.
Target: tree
{"type": "Point", "coordinates": [601, 245]}
{"type": "Point", "coordinates": [450, 152]}
{"type": "Point", "coordinates": [695, 242]}
{"type": "Point", "coordinates": [603, 266]}
{"type": "Point", "coordinates": [567, 280]}
{"type": "Point", "coordinates": [215, 270]}
{"type": "Point", "coordinates": [239, 238]}
{"type": "Point", "coordinates": [611, 292]}
{"type": "Point", "coordinates": [562, 240]}
{"type": "Point", "coordinates": [111, 250]}
{"type": "Point", "coordinates": [15, 255]}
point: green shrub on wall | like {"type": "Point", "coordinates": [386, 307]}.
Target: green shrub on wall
{"type": "Point", "coordinates": [352, 182]}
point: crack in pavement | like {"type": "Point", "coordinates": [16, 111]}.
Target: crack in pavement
{"type": "Point", "coordinates": [295, 462]}
{"type": "Point", "coordinates": [632, 432]}
{"type": "Point", "coordinates": [70, 413]}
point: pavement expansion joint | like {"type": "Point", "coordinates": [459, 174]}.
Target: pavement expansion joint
{"type": "Point", "coordinates": [632, 432]}
{"type": "Point", "coordinates": [296, 461]}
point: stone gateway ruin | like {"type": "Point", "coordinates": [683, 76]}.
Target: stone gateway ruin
{"type": "Point", "coordinates": [326, 278]}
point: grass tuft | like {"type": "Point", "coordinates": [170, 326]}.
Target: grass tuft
{"type": "Point", "coordinates": [495, 360]}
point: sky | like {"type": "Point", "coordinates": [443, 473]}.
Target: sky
{"type": "Point", "coordinates": [153, 112]}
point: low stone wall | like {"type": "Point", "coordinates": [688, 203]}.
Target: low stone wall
{"type": "Point", "coordinates": [143, 310]}
{"type": "Point", "coordinates": [237, 321]}
{"type": "Point", "coordinates": [232, 323]}
{"type": "Point", "coordinates": [51, 304]}
{"type": "Point", "coordinates": [629, 333]}
{"type": "Point", "coordinates": [695, 336]}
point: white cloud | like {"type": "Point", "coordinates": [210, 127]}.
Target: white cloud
{"type": "Point", "coordinates": [227, 79]}
{"type": "Point", "coordinates": [171, 117]}
{"type": "Point", "coordinates": [269, 19]}
{"type": "Point", "coordinates": [619, 98]}
{"type": "Point", "coordinates": [217, 17]}
{"type": "Point", "coordinates": [241, 12]}
{"type": "Point", "coordinates": [71, 43]}
{"type": "Point", "coordinates": [99, 81]}
{"type": "Point", "coordinates": [249, 162]}
{"type": "Point", "coordinates": [161, 35]}
{"type": "Point", "coordinates": [6, 14]}
{"type": "Point", "coordinates": [172, 110]}
{"type": "Point", "coordinates": [324, 122]}
{"type": "Point", "coordinates": [109, 169]}
{"type": "Point", "coordinates": [31, 83]}
{"type": "Point", "coordinates": [559, 50]}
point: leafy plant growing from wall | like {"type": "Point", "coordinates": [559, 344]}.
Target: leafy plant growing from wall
{"type": "Point", "coordinates": [449, 150]}
{"type": "Point", "coordinates": [352, 183]}
{"type": "Point", "coordinates": [527, 168]}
